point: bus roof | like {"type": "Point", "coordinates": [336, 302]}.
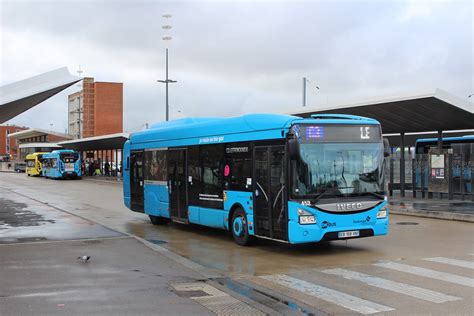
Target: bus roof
{"type": "Point", "coordinates": [211, 126]}
{"type": "Point", "coordinates": [36, 154]}
{"type": "Point", "coordinates": [447, 139]}
{"type": "Point", "coordinates": [57, 152]}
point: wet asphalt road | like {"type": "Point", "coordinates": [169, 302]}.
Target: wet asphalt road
{"type": "Point", "coordinates": [25, 220]}
{"type": "Point", "coordinates": [281, 268]}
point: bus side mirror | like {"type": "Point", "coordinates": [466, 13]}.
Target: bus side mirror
{"type": "Point", "coordinates": [386, 148]}
{"type": "Point", "coordinates": [293, 148]}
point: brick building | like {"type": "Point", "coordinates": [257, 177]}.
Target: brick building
{"type": "Point", "coordinates": [9, 147]}
{"type": "Point", "coordinates": [96, 110]}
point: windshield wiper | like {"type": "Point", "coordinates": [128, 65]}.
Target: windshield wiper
{"type": "Point", "coordinates": [380, 196]}
{"type": "Point", "coordinates": [327, 190]}
{"type": "Point", "coordinates": [321, 195]}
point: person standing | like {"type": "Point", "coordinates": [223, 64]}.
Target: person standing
{"type": "Point", "coordinates": [107, 169]}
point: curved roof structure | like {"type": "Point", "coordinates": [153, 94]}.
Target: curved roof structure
{"type": "Point", "coordinates": [418, 112]}
{"type": "Point", "coordinates": [17, 97]}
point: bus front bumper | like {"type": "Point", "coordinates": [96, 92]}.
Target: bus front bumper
{"type": "Point", "coordinates": [339, 227]}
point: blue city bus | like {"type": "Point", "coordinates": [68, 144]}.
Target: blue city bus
{"type": "Point", "coordinates": [61, 164]}
{"type": "Point", "coordinates": [272, 176]}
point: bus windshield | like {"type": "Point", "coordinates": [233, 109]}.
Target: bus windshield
{"type": "Point", "coordinates": [30, 163]}
{"type": "Point", "coordinates": [326, 170]}
{"type": "Point", "coordinates": [69, 157]}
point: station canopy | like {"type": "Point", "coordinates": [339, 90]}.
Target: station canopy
{"type": "Point", "coordinates": [428, 111]}
{"type": "Point", "coordinates": [19, 96]}
{"type": "Point", "coordinates": [104, 142]}
{"type": "Point", "coordinates": [37, 132]}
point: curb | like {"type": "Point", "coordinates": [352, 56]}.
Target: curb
{"type": "Point", "coordinates": [103, 181]}
{"type": "Point", "coordinates": [436, 215]}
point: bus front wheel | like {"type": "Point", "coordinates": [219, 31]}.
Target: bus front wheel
{"type": "Point", "coordinates": [158, 220]}
{"type": "Point", "coordinates": [239, 228]}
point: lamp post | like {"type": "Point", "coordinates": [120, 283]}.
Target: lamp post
{"type": "Point", "coordinates": [167, 80]}
{"type": "Point", "coordinates": [305, 80]}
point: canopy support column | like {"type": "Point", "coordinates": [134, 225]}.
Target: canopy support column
{"type": "Point", "coordinates": [440, 141]}
{"type": "Point", "coordinates": [402, 164]}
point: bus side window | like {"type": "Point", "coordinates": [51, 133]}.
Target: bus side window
{"type": "Point", "coordinates": [156, 166]}
{"type": "Point", "coordinates": [239, 163]}
{"type": "Point", "coordinates": [212, 165]}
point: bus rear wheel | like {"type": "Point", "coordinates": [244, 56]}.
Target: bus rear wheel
{"type": "Point", "coordinates": [158, 220]}
{"type": "Point", "coordinates": [239, 228]}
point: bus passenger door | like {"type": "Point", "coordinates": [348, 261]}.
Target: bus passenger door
{"type": "Point", "coordinates": [136, 181]}
{"type": "Point", "coordinates": [269, 192]}
{"type": "Point", "coordinates": [177, 184]}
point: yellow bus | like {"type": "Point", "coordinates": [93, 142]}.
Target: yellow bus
{"type": "Point", "coordinates": [33, 164]}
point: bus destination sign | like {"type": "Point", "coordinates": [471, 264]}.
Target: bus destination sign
{"type": "Point", "coordinates": [340, 133]}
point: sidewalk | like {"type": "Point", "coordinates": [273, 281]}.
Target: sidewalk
{"type": "Point", "coordinates": [116, 180]}
{"type": "Point", "coordinates": [433, 208]}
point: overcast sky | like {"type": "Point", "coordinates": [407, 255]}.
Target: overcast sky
{"type": "Point", "coordinates": [235, 57]}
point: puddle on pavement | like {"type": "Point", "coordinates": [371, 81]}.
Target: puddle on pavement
{"type": "Point", "coordinates": [26, 220]}
{"type": "Point", "coordinates": [14, 214]}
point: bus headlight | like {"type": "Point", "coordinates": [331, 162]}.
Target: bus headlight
{"type": "Point", "coordinates": [382, 213]}
{"type": "Point", "coordinates": [305, 217]}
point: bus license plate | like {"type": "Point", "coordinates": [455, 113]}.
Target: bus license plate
{"type": "Point", "coordinates": [352, 233]}
{"type": "Point", "coordinates": [69, 167]}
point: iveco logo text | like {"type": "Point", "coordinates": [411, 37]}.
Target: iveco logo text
{"type": "Point", "coordinates": [348, 206]}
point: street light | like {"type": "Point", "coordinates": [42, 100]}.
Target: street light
{"type": "Point", "coordinates": [167, 80]}
{"type": "Point", "coordinates": [305, 80]}
{"type": "Point", "coordinates": [470, 95]}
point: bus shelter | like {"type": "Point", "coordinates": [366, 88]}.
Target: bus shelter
{"type": "Point", "coordinates": [441, 170]}
{"type": "Point", "coordinates": [104, 152]}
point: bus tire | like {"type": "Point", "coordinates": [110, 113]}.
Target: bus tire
{"type": "Point", "coordinates": [239, 228]}
{"type": "Point", "coordinates": [158, 220]}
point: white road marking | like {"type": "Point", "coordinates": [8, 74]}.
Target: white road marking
{"type": "Point", "coordinates": [402, 288]}
{"type": "Point", "coordinates": [433, 274]}
{"type": "Point", "coordinates": [339, 298]}
{"type": "Point", "coordinates": [453, 262]}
